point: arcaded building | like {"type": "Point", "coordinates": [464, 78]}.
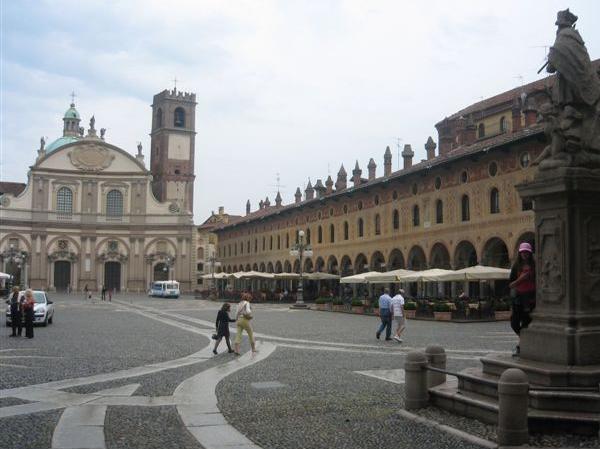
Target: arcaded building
{"type": "Point", "coordinates": [93, 214]}
{"type": "Point", "coordinates": [459, 207]}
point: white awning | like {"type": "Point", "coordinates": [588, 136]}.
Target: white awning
{"type": "Point", "coordinates": [431, 275]}
{"type": "Point", "coordinates": [389, 276]}
{"type": "Point", "coordinates": [357, 278]}
{"type": "Point", "coordinates": [477, 273]}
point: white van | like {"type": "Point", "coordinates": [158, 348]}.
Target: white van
{"type": "Point", "coordinates": [165, 289]}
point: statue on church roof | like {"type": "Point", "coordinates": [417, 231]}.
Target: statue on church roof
{"type": "Point", "coordinates": [102, 133]}
{"type": "Point", "coordinates": [42, 143]}
{"type": "Point", "coordinates": [139, 148]}
{"type": "Point", "coordinates": [81, 131]}
{"type": "Point", "coordinates": [92, 123]}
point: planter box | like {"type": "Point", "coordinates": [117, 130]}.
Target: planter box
{"type": "Point", "coordinates": [358, 309]}
{"type": "Point", "coordinates": [321, 306]}
{"type": "Point", "coordinates": [410, 313]}
{"type": "Point", "coordinates": [442, 316]}
{"type": "Point", "coordinates": [502, 315]}
{"type": "Point", "coordinates": [338, 308]}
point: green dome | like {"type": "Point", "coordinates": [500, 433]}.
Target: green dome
{"type": "Point", "coordinates": [72, 112]}
{"type": "Point", "coordinates": [61, 141]}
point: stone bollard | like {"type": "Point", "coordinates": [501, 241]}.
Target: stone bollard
{"type": "Point", "coordinates": [436, 357]}
{"type": "Point", "coordinates": [513, 401]}
{"type": "Point", "coordinates": [415, 381]}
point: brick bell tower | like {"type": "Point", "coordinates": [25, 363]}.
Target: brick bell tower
{"type": "Point", "coordinates": [172, 142]}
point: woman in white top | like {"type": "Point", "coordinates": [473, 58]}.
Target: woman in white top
{"type": "Point", "coordinates": [243, 317]}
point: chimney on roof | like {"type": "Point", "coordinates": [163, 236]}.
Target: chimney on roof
{"type": "Point", "coordinates": [309, 192]}
{"type": "Point", "coordinates": [470, 131]}
{"type": "Point", "coordinates": [445, 136]}
{"type": "Point", "coordinates": [356, 175]}
{"type": "Point", "coordinates": [278, 199]}
{"type": "Point", "coordinates": [387, 162]}
{"type": "Point", "coordinates": [407, 155]}
{"type": "Point", "coordinates": [329, 185]}
{"type": "Point", "coordinates": [298, 195]}
{"type": "Point", "coordinates": [248, 207]}
{"type": "Point", "coordinates": [221, 210]}
{"type": "Point", "coordinates": [430, 147]}
{"type": "Point", "coordinates": [530, 113]}
{"type": "Point", "coordinates": [372, 167]}
{"type": "Point", "coordinates": [516, 115]}
{"type": "Point", "coordinates": [341, 182]}
{"type": "Point", "coordinates": [267, 203]}
{"type": "Point", "coordinates": [320, 188]}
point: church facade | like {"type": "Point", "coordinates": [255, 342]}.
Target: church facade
{"type": "Point", "coordinates": [91, 214]}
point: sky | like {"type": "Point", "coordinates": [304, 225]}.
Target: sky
{"type": "Point", "coordinates": [286, 90]}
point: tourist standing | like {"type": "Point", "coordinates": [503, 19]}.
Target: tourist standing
{"type": "Point", "coordinates": [522, 280]}
{"type": "Point", "coordinates": [222, 325]}
{"type": "Point", "coordinates": [398, 312]}
{"type": "Point", "coordinates": [243, 317]}
{"type": "Point", "coordinates": [16, 319]}
{"type": "Point", "coordinates": [385, 314]}
{"type": "Point", "coordinates": [28, 305]}
{"type": "Point", "coordinates": [103, 294]}
{"type": "Point", "coordinates": [85, 292]}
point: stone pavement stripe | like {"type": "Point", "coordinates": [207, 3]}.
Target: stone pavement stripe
{"type": "Point", "coordinates": [80, 427]}
{"type": "Point", "coordinates": [203, 418]}
{"type": "Point", "coordinates": [449, 430]}
{"type": "Point", "coordinates": [26, 409]}
{"type": "Point", "coordinates": [390, 375]}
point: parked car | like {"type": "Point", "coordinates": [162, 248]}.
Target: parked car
{"type": "Point", "coordinates": [43, 310]}
{"type": "Point", "coordinates": [165, 289]}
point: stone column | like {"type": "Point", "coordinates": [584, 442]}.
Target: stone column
{"type": "Point", "coordinates": [436, 357]}
{"type": "Point", "coordinates": [566, 323]}
{"type": "Point", "coordinates": [513, 400]}
{"type": "Point", "coordinates": [417, 395]}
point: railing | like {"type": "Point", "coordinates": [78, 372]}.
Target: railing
{"type": "Point", "coordinates": [23, 215]}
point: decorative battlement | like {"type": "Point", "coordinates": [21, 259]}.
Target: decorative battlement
{"type": "Point", "coordinates": [176, 95]}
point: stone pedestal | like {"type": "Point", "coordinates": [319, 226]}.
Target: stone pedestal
{"type": "Point", "coordinates": [565, 330]}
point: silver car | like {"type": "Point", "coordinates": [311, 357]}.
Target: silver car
{"type": "Point", "coordinates": [43, 310]}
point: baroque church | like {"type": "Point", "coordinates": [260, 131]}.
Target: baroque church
{"type": "Point", "coordinates": [91, 214]}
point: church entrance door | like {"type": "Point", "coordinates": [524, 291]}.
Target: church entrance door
{"type": "Point", "coordinates": [161, 272]}
{"type": "Point", "coordinates": [62, 275]}
{"type": "Point", "coordinates": [112, 276]}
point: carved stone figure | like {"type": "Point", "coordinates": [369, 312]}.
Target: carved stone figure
{"type": "Point", "coordinates": [139, 148]}
{"type": "Point", "coordinates": [81, 131]}
{"type": "Point", "coordinates": [572, 121]}
{"type": "Point", "coordinates": [102, 133]}
{"type": "Point", "coordinates": [42, 143]}
{"type": "Point", "coordinates": [92, 123]}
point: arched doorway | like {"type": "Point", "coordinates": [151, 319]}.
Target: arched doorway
{"type": "Point", "coordinates": [319, 264]}
{"type": "Point", "coordinates": [361, 265]}
{"type": "Point", "coordinates": [440, 258]}
{"type": "Point", "coordinates": [396, 260]}
{"type": "Point", "coordinates": [377, 262]}
{"type": "Point", "coordinates": [416, 259]}
{"type": "Point", "coordinates": [495, 254]}
{"type": "Point", "coordinates": [161, 272]}
{"type": "Point", "coordinates": [14, 269]}
{"type": "Point", "coordinates": [112, 276]}
{"type": "Point", "coordinates": [62, 275]}
{"type": "Point", "coordinates": [332, 265]}
{"type": "Point", "coordinates": [465, 255]}
{"type": "Point", "coordinates": [346, 266]}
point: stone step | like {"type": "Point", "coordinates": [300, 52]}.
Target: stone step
{"type": "Point", "coordinates": [485, 408]}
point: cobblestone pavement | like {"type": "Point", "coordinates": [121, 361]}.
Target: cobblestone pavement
{"type": "Point", "coordinates": [139, 372]}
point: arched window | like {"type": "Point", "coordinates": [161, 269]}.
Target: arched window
{"type": "Point", "coordinates": [481, 131]}
{"type": "Point", "coordinates": [361, 227]}
{"type": "Point", "coordinates": [503, 125]}
{"type": "Point", "coordinates": [159, 116]}
{"type": "Point", "coordinates": [494, 201]}
{"type": "Point", "coordinates": [114, 204]}
{"type": "Point", "coordinates": [320, 234]}
{"type": "Point", "coordinates": [278, 242]}
{"type": "Point", "coordinates": [179, 118]}
{"type": "Point", "coordinates": [396, 219]}
{"type": "Point", "coordinates": [229, 250]}
{"type": "Point", "coordinates": [271, 243]}
{"type": "Point", "coordinates": [287, 240]}
{"type": "Point", "coordinates": [464, 208]}
{"type": "Point", "coordinates": [248, 247]}
{"type": "Point", "coordinates": [264, 243]}
{"type": "Point", "coordinates": [308, 236]}
{"type": "Point", "coordinates": [439, 211]}
{"type": "Point", "coordinates": [64, 202]}
{"type": "Point", "coordinates": [255, 245]}
{"type": "Point", "coordinates": [241, 247]}
{"type": "Point", "coordinates": [235, 249]}
{"type": "Point", "coordinates": [346, 236]}
{"type": "Point", "coordinates": [200, 254]}
{"type": "Point", "coordinates": [331, 233]}
{"type": "Point", "coordinates": [416, 215]}
{"type": "Point", "coordinates": [377, 224]}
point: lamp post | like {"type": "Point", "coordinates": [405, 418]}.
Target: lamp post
{"type": "Point", "coordinates": [300, 250]}
{"type": "Point", "coordinates": [18, 258]}
{"type": "Point", "coordinates": [168, 264]}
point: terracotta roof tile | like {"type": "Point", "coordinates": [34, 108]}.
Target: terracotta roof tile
{"type": "Point", "coordinates": [12, 188]}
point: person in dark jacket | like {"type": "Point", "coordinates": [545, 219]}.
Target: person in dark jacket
{"type": "Point", "coordinates": [222, 325]}
{"type": "Point", "coordinates": [16, 319]}
{"type": "Point", "coordinates": [28, 305]}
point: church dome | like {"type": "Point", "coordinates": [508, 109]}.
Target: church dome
{"type": "Point", "coordinates": [60, 142]}
{"type": "Point", "coordinates": [72, 112]}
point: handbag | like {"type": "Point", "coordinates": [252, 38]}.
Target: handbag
{"type": "Point", "coordinates": [247, 316]}
{"type": "Point", "coordinates": [215, 337]}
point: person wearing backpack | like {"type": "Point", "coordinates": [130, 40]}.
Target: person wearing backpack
{"type": "Point", "coordinates": [243, 317]}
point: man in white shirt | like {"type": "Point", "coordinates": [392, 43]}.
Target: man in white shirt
{"type": "Point", "coordinates": [397, 307]}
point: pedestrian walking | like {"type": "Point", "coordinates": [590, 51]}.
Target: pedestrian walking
{"type": "Point", "coordinates": [28, 305]}
{"type": "Point", "coordinates": [103, 293]}
{"type": "Point", "coordinates": [522, 281]}
{"type": "Point", "coordinates": [243, 317]}
{"type": "Point", "coordinates": [222, 325]}
{"type": "Point", "coordinates": [398, 314]}
{"type": "Point", "coordinates": [85, 292]}
{"type": "Point", "coordinates": [385, 314]}
{"type": "Point", "coordinates": [16, 317]}
{"type": "Point", "coordinates": [110, 295]}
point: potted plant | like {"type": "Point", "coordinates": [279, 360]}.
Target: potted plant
{"type": "Point", "coordinates": [358, 306]}
{"type": "Point", "coordinates": [338, 305]}
{"type": "Point", "coordinates": [410, 309]}
{"type": "Point", "coordinates": [502, 311]}
{"type": "Point", "coordinates": [376, 308]}
{"type": "Point", "coordinates": [441, 312]}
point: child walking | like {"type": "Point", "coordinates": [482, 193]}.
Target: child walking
{"type": "Point", "coordinates": [222, 325]}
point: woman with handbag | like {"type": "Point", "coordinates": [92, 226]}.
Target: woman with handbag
{"type": "Point", "coordinates": [522, 281]}
{"type": "Point", "coordinates": [222, 325]}
{"type": "Point", "coordinates": [16, 319]}
{"type": "Point", "coordinates": [243, 317]}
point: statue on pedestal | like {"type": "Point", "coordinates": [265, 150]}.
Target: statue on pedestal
{"type": "Point", "coordinates": [572, 120]}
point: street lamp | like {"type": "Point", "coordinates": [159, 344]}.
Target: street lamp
{"type": "Point", "coordinates": [300, 250]}
{"type": "Point", "coordinates": [168, 264]}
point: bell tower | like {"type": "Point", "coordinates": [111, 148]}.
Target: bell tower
{"type": "Point", "coordinates": [172, 142]}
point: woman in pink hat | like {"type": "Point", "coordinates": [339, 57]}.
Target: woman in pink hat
{"type": "Point", "coordinates": [522, 281]}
